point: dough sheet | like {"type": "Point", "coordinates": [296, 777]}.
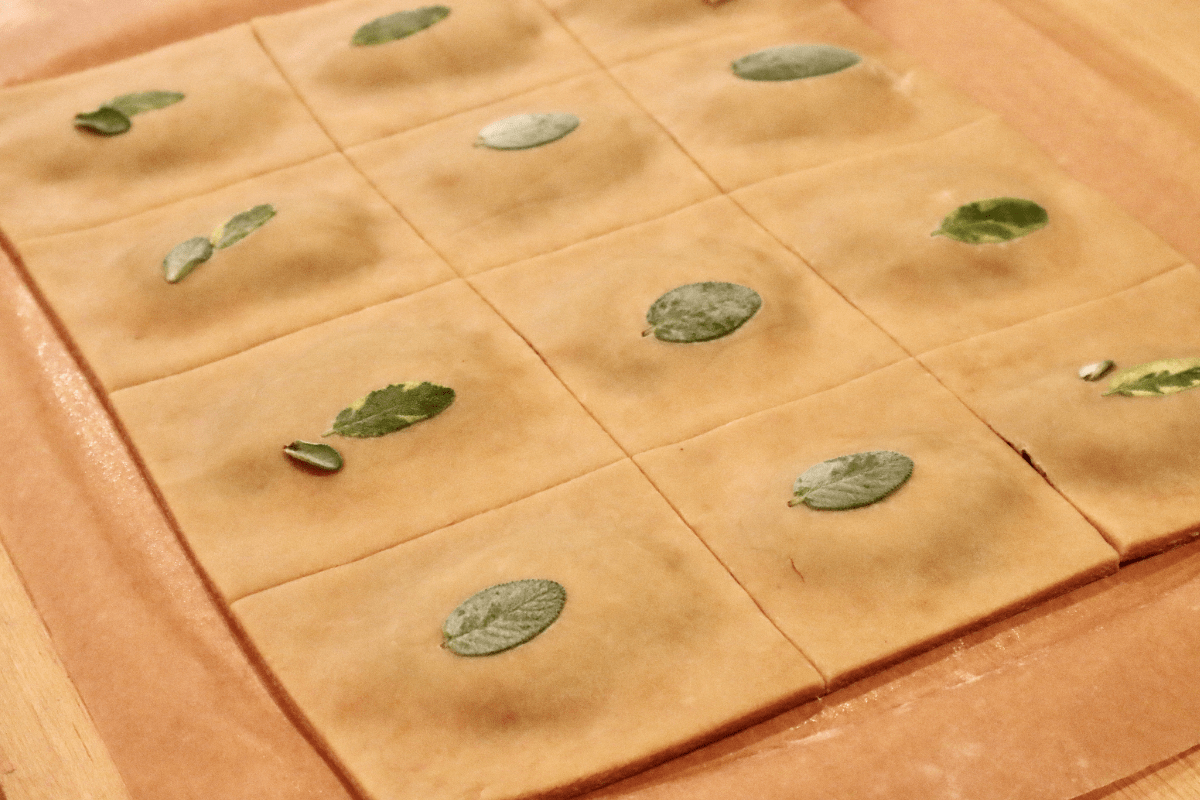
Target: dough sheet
{"type": "Point", "coordinates": [238, 118]}
{"type": "Point", "coordinates": [482, 208]}
{"type": "Point", "coordinates": [744, 131]}
{"type": "Point", "coordinates": [333, 247]}
{"type": "Point", "coordinates": [1128, 463]}
{"type": "Point", "coordinates": [866, 226]}
{"type": "Point", "coordinates": [481, 53]}
{"type": "Point", "coordinates": [652, 623]}
{"type": "Point", "coordinates": [584, 310]}
{"type": "Point", "coordinates": [719, 590]}
{"type": "Point", "coordinates": [973, 533]}
{"type": "Point", "coordinates": [213, 438]}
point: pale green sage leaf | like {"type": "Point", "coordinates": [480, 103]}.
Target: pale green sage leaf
{"type": "Point", "coordinates": [239, 226]}
{"type": "Point", "coordinates": [700, 312]}
{"type": "Point", "coordinates": [522, 131]}
{"type": "Point", "coordinates": [398, 25]}
{"type": "Point", "coordinates": [1096, 371]}
{"type": "Point", "coordinates": [790, 62]}
{"type": "Point", "coordinates": [1156, 378]}
{"type": "Point", "coordinates": [314, 454]}
{"type": "Point", "coordinates": [185, 257]}
{"type": "Point", "coordinates": [137, 102]}
{"type": "Point", "coordinates": [852, 481]}
{"type": "Point", "coordinates": [392, 408]}
{"type": "Point", "coordinates": [503, 616]}
{"type": "Point", "coordinates": [104, 121]}
{"type": "Point", "coordinates": [997, 219]}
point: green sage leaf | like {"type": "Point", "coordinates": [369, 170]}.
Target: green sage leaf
{"type": "Point", "coordinates": [112, 117]}
{"type": "Point", "coordinates": [104, 121]}
{"type": "Point", "coordinates": [790, 62]}
{"type": "Point", "coordinates": [503, 616]}
{"type": "Point", "coordinates": [314, 454]}
{"type": "Point", "coordinates": [998, 219]}
{"type": "Point", "coordinates": [524, 131]}
{"type": "Point", "coordinates": [852, 481]}
{"type": "Point", "coordinates": [1156, 378]}
{"type": "Point", "coordinates": [398, 25]}
{"type": "Point", "coordinates": [136, 103]}
{"type": "Point", "coordinates": [185, 257]}
{"type": "Point", "coordinates": [1096, 371]}
{"type": "Point", "coordinates": [700, 312]}
{"type": "Point", "coordinates": [392, 408]}
{"type": "Point", "coordinates": [239, 226]}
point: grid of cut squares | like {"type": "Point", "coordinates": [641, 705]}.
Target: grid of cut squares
{"type": "Point", "coordinates": [334, 247]}
{"type": "Point", "coordinates": [651, 621]}
{"type": "Point", "coordinates": [989, 535]}
{"type": "Point", "coordinates": [213, 437]}
{"type": "Point", "coordinates": [481, 208]}
{"type": "Point", "coordinates": [238, 118]}
{"type": "Point", "coordinates": [1127, 463]}
{"type": "Point", "coordinates": [584, 310]}
{"type": "Point", "coordinates": [743, 131]}
{"type": "Point", "coordinates": [482, 52]}
{"type": "Point", "coordinates": [972, 535]}
{"type": "Point", "coordinates": [865, 226]}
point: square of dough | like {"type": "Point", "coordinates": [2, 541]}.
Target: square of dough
{"type": "Point", "coordinates": [973, 534]}
{"type": "Point", "coordinates": [584, 310]}
{"type": "Point", "coordinates": [617, 30]}
{"type": "Point", "coordinates": [481, 208]}
{"type": "Point", "coordinates": [482, 52]}
{"type": "Point", "coordinates": [238, 118]}
{"type": "Point", "coordinates": [1130, 464]}
{"type": "Point", "coordinates": [212, 438]}
{"type": "Point", "coordinates": [866, 225]}
{"type": "Point", "coordinates": [743, 131]}
{"type": "Point", "coordinates": [334, 246]}
{"type": "Point", "coordinates": [656, 649]}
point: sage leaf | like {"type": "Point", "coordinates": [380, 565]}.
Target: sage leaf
{"type": "Point", "coordinates": [314, 454]}
{"type": "Point", "coordinates": [1096, 371]}
{"type": "Point", "coordinates": [852, 481]}
{"type": "Point", "coordinates": [524, 131]}
{"type": "Point", "coordinates": [104, 121]}
{"type": "Point", "coordinates": [503, 616]}
{"type": "Point", "coordinates": [239, 226]}
{"type": "Point", "coordinates": [700, 312]}
{"type": "Point", "coordinates": [1156, 378]}
{"type": "Point", "coordinates": [398, 25]}
{"type": "Point", "coordinates": [136, 103]}
{"type": "Point", "coordinates": [112, 117]}
{"type": "Point", "coordinates": [790, 62]}
{"type": "Point", "coordinates": [392, 408]}
{"type": "Point", "coordinates": [998, 219]}
{"type": "Point", "coordinates": [185, 257]}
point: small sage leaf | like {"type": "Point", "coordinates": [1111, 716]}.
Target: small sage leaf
{"type": "Point", "coordinates": [503, 616]}
{"type": "Point", "coordinates": [185, 257]}
{"type": "Point", "coordinates": [398, 25]}
{"type": "Point", "coordinates": [852, 481]}
{"type": "Point", "coordinates": [700, 312]}
{"type": "Point", "coordinates": [1096, 371]}
{"type": "Point", "coordinates": [1156, 378]}
{"type": "Point", "coordinates": [321, 456]}
{"type": "Point", "coordinates": [523, 131]}
{"type": "Point", "coordinates": [790, 62]}
{"type": "Point", "coordinates": [104, 121]}
{"type": "Point", "coordinates": [392, 408]}
{"type": "Point", "coordinates": [998, 219]}
{"type": "Point", "coordinates": [239, 226]}
{"type": "Point", "coordinates": [136, 103]}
